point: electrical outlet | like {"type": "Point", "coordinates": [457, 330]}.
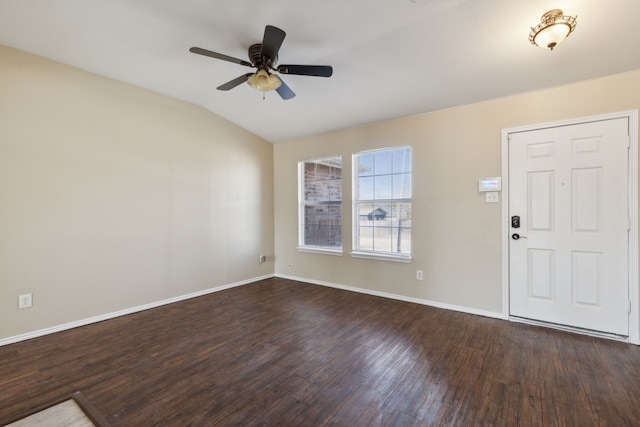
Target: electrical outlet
{"type": "Point", "coordinates": [419, 275]}
{"type": "Point", "coordinates": [290, 266]}
{"type": "Point", "coordinates": [25, 301]}
{"type": "Point", "coordinates": [263, 258]}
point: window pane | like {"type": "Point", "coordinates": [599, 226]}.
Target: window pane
{"type": "Point", "coordinates": [382, 239]}
{"type": "Point", "coordinates": [383, 162]}
{"type": "Point", "coordinates": [402, 160]}
{"type": "Point", "coordinates": [309, 171]}
{"type": "Point", "coordinates": [401, 213]}
{"type": "Point", "coordinates": [365, 164]}
{"type": "Point", "coordinates": [365, 188]}
{"type": "Point", "coordinates": [334, 237]}
{"type": "Point", "coordinates": [309, 215]}
{"type": "Point", "coordinates": [313, 192]}
{"type": "Point", "coordinates": [365, 238]}
{"type": "Point", "coordinates": [382, 186]}
{"type": "Point", "coordinates": [335, 213]}
{"type": "Point", "coordinates": [310, 233]}
{"type": "Point", "coordinates": [335, 190]}
{"type": "Point", "coordinates": [402, 240]}
{"type": "Point", "coordinates": [401, 186]}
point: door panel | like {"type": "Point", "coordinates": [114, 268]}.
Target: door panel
{"type": "Point", "coordinates": [568, 184]}
{"type": "Point", "coordinates": [541, 274]}
{"type": "Point", "coordinates": [586, 203]}
{"type": "Point", "coordinates": [587, 277]}
{"type": "Point", "coordinates": [541, 200]}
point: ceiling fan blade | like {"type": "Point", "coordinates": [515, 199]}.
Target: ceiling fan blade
{"type": "Point", "coordinates": [307, 70]}
{"type": "Point", "coordinates": [235, 82]}
{"type": "Point", "coordinates": [284, 91]}
{"type": "Point", "coordinates": [271, 42]}
{"type": "Point", "coordinates": [217, 55]}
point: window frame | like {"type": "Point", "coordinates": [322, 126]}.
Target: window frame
{"type": "Point", "coordinates": [302, 204]}
{"type": "Point", "coordinates": [356, 251]}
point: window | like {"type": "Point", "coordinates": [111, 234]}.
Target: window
{"type": "Point", "coordinates": [320, 200]}
{"type": "Point", "coordinates": [382, 203]}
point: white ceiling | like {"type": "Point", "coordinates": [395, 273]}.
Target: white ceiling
{"type": "Point", "coordinates": [391, 58]}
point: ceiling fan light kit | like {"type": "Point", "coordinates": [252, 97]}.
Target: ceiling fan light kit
{"type": "Point", "coordinates": [264, 56]}
{"type": "Point", "coordinates": [552, 29]}
{"type": "Point", "coordinates": [263, 81]}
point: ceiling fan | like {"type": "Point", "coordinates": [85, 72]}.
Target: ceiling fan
{"type": "Point", "coordinates": [264, 57]}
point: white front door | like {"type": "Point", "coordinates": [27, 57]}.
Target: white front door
{"type": "Point", "coordinates": [569, 222]}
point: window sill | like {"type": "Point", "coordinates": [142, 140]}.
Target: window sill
{"type": "Point", "coordinates": [381, 257]}
{"type": "Point", "coordinates": [318, 250]}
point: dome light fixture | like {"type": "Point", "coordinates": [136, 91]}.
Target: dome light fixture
{"type": "Point", "coordinates": [263, 81]}
{"type": "Point", "coordinates": [552, 29]}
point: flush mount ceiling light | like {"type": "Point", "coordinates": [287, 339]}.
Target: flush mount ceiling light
{"type": "Point", "coordinates": [552, 29]}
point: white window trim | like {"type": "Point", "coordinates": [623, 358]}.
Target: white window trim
{"type": "Point", "coordinates": [381, 256]}
{"type": "Point", "coordinates": [375, 255]}
{"type": "Point", "coordinates": [320, 250]}
{"type": "Point", "coordinates": [337, 251]}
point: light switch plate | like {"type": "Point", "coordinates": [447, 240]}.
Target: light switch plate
{"type": "Point", "coordinates": [492, 197]}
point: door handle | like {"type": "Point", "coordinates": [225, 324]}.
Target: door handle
{"type": "Point", "coordinates": [516, 236]}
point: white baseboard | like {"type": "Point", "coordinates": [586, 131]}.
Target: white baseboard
{"type": "Point", "coordinates": [71, 325]}
{"type": "Point", "coordinates": [436, 304]}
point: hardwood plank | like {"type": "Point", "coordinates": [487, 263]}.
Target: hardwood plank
{"type": "Point", "coordinates": [290, 353]}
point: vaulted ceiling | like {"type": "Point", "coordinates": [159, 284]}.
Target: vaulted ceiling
{"type": "Point", "coordinates": [391, 58]}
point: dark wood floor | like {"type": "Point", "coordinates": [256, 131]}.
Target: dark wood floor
{"type": "Point", "coordinates": [279, 352]}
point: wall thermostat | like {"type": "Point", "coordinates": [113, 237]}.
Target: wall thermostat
{"type": "Point", "coordinates": [490, 184]}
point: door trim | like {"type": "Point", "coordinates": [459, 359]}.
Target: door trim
{"type": "Point", "coordinates": [634, 285]}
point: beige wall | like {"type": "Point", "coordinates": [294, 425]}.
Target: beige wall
{"type": "Point", "coordinates": [112, 197]}
{"type": "Point", "coordinates": [456, 236]}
